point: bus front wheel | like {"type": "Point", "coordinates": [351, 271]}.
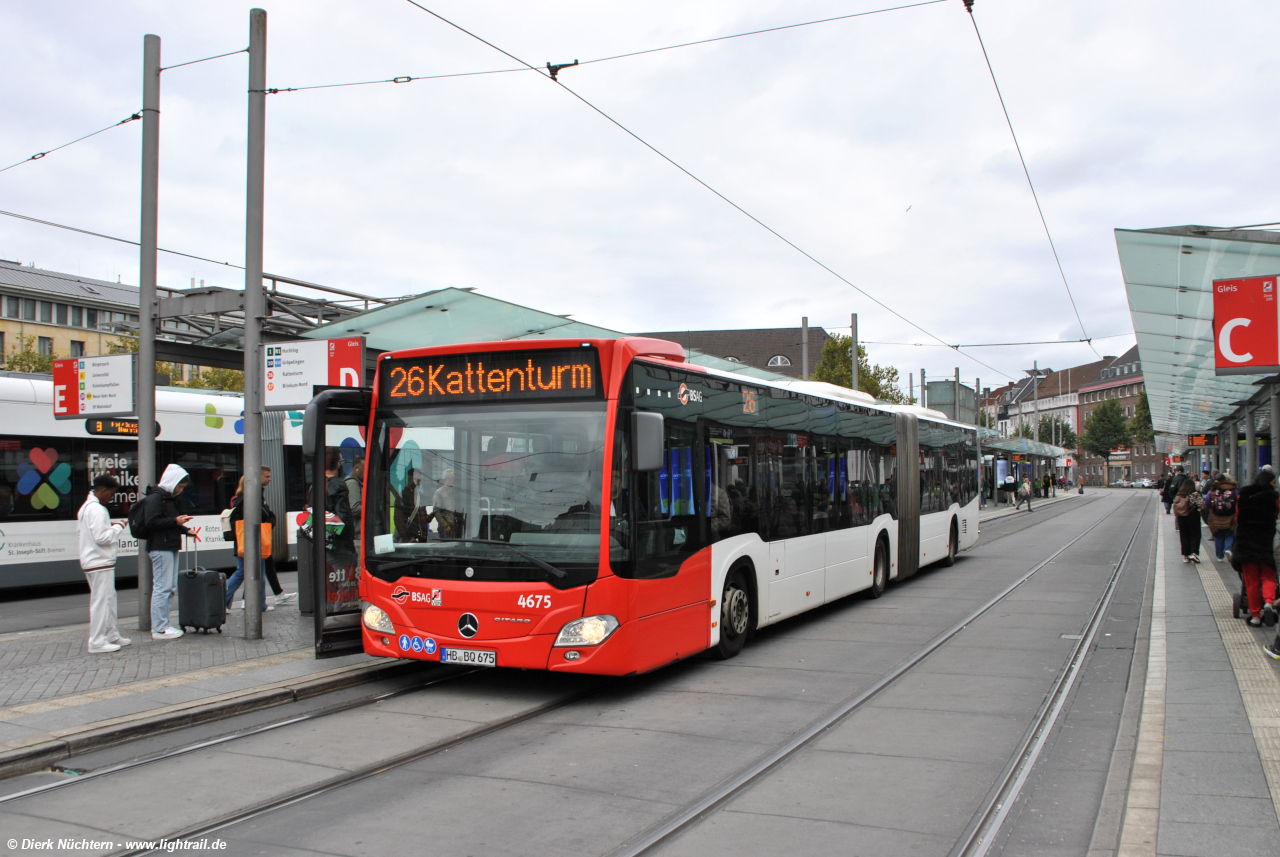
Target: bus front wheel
{"type": "Point", "coordinates": [735, 615]}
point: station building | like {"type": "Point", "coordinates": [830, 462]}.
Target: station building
{"type": "Point", "coordinates": [62, 315]}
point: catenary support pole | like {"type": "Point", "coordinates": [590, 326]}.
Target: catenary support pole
{"type": "Point", "coordinates": [147, 301]}
{"type": "Point", "coordinates": [924, 390]}
{"type": "Point", "coordinates": [955, 408]}
{"type": "Point", "coordinates": [253, 311]}
{"type": "Point", "coordinates": [853, 335]}
{"type": "Point", "coordinates": [804, 348]}
{"type": "Point", "coordinates": [1035, 393]}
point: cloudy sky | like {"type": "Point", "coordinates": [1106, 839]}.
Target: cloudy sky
{"type": "Point", "coordinates": [877, 144]}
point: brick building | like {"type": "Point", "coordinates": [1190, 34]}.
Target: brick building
{"type": "Point", "coordinates": [1122, 380]}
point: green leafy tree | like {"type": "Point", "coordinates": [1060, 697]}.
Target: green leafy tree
{"type": "Point", "coordinates": [1051, 427]}
{"type": "Point", "coordinates": [205, 378]}
{"type": "Point", "coordinates": [834, 368]}
{"type": "Point", "coordinates": [1105, 430]}
{"type": "Point", "coordinates": [25, 358]}
{"type": "Point", "coordinates": [985, 419]}
{"type": "Point", "coordinates": [1140, 426]}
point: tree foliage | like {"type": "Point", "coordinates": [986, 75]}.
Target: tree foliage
{"type": "Point", "coordinates": [1105, 430]}
{"type": "Point", "coordinates": [205, 378]}
{"type": "Point", "coordinates": [834, 368]}
{"type": "Point", "coordinates": [24, 357]}
{"type": "Point", "coordinates": [1140, 426]}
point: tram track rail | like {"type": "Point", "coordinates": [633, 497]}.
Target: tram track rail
{"type": "Point", "coordinates": [655, 837]}
{"type": "Point", "coordinates": [986, 824]}
{"type": "Point", "coordinates": [175, 752]}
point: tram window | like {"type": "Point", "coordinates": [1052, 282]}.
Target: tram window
{"type": "Point", "coordinates": [214, 471]}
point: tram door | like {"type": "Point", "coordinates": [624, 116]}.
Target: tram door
{"type": "Point", "coordinates": [328, 544]}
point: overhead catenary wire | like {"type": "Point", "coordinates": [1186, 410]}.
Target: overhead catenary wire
{"type": "Point", "coordinates": [206, 59]}
{"type": "Point", "coordinates": [38, 155]}
{"type": "Point", "coordinates": [407, 78]}
{"type": "Point", "coordinates": [708, 187]}
{"type": "Point", "coordinates": [968, 4]}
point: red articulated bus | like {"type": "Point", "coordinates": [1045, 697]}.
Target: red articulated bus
{"type": "Point", "coordinates": [605, 507]}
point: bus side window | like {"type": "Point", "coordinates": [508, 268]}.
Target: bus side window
{"type": "Point", "coordinates": [667, 527]}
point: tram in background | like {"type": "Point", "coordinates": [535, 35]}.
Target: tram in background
{"type": "Point", "coordinates": [47, 465]}
{"type": "Point", "coordinates": [605, 507]}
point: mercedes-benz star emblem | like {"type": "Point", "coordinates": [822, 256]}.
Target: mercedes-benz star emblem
{"type": "Point", "coordinates": [468, 625]}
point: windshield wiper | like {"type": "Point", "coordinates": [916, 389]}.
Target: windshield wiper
{"type": "Point", "coordinates": [558, 573]}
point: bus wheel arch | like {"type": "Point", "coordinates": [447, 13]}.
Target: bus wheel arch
{"type": "Point", "coordinates": [953, 543]}
{"type": "Point", "coordinates": [738, 608]}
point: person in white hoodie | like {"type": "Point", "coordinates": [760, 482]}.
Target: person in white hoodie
{"type": "Point", "coordinates": [165, 527]}
{"type": "Point", "coordinates": [99, 539]}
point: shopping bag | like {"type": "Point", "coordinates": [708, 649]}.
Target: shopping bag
{"type": "Point", "coordinates": [266, 539]}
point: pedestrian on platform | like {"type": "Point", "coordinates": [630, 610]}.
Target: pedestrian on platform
{"type": "Point", "coordinates": [1186, 512]}
{"type": "Point", "coordinates": [1253, 554]}
{"type": "Point", "coordinates": [1024, 494]}
{"type": "Point", "coordinates": [99, 540]}
{"type": "Point", "coordinates": [237, 515]}
{"type": "Point", "coordinates": [1171, 486]}
{"type": "Point", "coordinates": [1220, 502]}
{"type": "Point", "coordinates": [355, 494]}
{"type": "Point", "coordinates": [166, 525]}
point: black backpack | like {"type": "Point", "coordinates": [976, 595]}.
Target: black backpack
{"type": "Point", "coordinates": [138, 517]}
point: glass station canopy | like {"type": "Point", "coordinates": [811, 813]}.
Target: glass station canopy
{"type": "Point", "coordinates": [1168, 275]}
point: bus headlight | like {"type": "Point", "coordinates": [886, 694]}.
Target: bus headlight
{"type": "Point", "coordinates": [587, 631]}
{"type": "Point", "coordinates": [376, 620]}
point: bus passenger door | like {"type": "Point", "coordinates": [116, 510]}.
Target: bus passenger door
{"type": "Point", "coordinates": [328, 561]}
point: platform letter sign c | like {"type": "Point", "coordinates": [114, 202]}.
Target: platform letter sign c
{"type": "Point", "coordinates": [1246, 322]}
{"type": "Point", "coordinates": [1224, 341]}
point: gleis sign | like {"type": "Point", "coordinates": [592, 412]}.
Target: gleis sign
{"type": "Point", "coordinates": [1246, 326]}
{"type": "Point", "coordinates": [291, 370]}
{"type": "Point", "coordinates": [94, 387]}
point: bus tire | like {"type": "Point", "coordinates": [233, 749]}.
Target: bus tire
{"type": "Point", "coordinates": [879, 570]}
{"type": "Point", "coordinates": [735, 615]}
{"type": "Point", "coordinates": [953, 545]}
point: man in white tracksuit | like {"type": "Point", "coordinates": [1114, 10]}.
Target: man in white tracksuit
{"type": "Point", "coordinates": [99, 538]}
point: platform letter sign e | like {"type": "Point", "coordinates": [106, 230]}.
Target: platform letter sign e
{"type": "Point", "coordinates": [1246, 326]}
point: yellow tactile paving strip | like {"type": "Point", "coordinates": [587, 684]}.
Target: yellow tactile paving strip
{"type": "Point", "coordinates": [1258, 683]}
{"type": "Point", "coordinates": [1142, 807]}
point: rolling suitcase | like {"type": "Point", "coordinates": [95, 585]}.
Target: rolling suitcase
{"type": "Point", "coordinates": [202, 596]}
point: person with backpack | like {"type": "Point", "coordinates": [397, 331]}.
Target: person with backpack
{"type": "Point", "coordinates": [1253, 554]}
{"type": "Point", "coordinates": [1024, 494]}
{"type": "Point", "coordinates": [158, 519]}
{"type": "Point", "coordinates": [1186, 511]}
{"type": "Point", "coordinates": [1220, 503]}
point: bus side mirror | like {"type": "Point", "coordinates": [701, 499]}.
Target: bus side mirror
{"type": "Point", "coordinates": [647, 433]}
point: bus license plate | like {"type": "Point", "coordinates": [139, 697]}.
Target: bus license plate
{"type": "Point", "coordinates": [474, 657]}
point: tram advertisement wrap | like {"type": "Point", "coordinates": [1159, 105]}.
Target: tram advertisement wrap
{"type": "Point", "coordinates": [48, 541]}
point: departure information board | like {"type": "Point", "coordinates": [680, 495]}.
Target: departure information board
{"type": "Point", "coordinates": [499, 376]}
{"type": "Point", "coordinates": [1205, 439]}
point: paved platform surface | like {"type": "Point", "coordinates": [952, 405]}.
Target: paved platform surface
{"type": "Point", "coordinates": [51, 685]}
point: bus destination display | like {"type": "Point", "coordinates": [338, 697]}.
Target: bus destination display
{"type": "Point", "coordinates": [1204, 439]}
{"type": "Point", "coordinates": [498, 376]}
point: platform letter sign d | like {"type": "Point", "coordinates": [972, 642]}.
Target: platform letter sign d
{"type": "Point", "coordinates": [1246, 330]}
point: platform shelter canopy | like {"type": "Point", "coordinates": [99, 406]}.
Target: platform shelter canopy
{"type": "Point", "coordinates": [1168, 276]}
{"type": "Point", "coordinates": [451, 316]}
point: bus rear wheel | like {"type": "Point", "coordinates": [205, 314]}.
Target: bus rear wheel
{"type": "Point", "coordinates": [879, 571]}
{"type": "Point", "coordinates": [953, 544]}
{"type": "Point", "coordinates": [735, 615]}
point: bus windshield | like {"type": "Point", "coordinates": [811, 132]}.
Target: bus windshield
{"type": "Point", "coordinates": [502, 489]}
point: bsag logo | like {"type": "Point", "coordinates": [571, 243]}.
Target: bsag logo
{"type": "Point", "coordinates": [401, 595]}
{"type": "Point", "coordinates": [685, 395]}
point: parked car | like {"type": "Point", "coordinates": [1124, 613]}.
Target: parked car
{"type": "Point", "coordinates": [1120, 483]}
